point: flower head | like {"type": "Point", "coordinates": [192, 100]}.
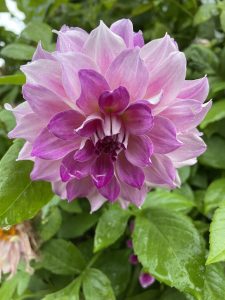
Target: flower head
{"type": "Point", "coordinates": [15, 246]}
{"type": "Point", "coordinates": [107, 117]}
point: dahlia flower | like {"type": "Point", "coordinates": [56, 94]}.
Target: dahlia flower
{"type": "Point", "coordinates": [107, 117]}
{"type": "Point", "coordinates": [15, 246]}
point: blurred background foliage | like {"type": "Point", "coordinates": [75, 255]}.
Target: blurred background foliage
{"type": "Point", "coordinates": [199, 29]}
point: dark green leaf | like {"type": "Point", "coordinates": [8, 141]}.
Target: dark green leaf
{"type": "Point", "coordinates": [216, 113]}
{"type": "Point", "coordinates": [214, 195]}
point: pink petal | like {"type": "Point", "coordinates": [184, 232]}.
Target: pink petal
{"type": "Point", "coordinates": [161, 172]}
{"type": "Point", "coordinates": [43, 101]}
{"type": "Point", "coordinates": [59, 188]}
{"type": "Point", "coordinates": [138, 39]}
{"type": "Point", "coordinates": [160, 48]}
{"type": "Point", "coordinates": [46, 73]}
{"type": "Point", "coordinates": [111, 190]}
{"type": "Point", "coordinates": [139, 150]}
{"type": "Point", "coordinates": [89, 126]}
{"type": "Point", "coordinates": [20, 110]}
{"type": "Point", "coordinates": [71, 63]}
{"type": "Point", "coordinates": [111, 125]}
{"type": "Point", "coordinates": [129, 70]}
{"type": "Point", "coordinates": [102, 170]}
{"type": "Point", "coordinates": [46, 170]}
{"type": "Point", "coordinates": [192, 147]}
{"type": "Point", "coordinates": [133, 195]}
{"type": "Point", "coordinates": [128, 173]}
{"type": "Point", "coordinates": [115, 101]}
{"type": "Point", "coordinates": [96, 200]}
{"type": "Point", "coordinates": [164, 135]}
{"type": "Point", "coordinates": [169, 77]}
{"type": "Point", "coordinates": [40, 53]}
{"type": "Point", "coordinates": [197, 89]}
{"type": "Point", "coordinates": [146, 280]}
{"type": "Point", "coordinates": [124, 28]}
{"type": "Point", "coordinates": [28, 127]}
{"type": "Point", "coordinates": [93, 85]}
{"type": "Point", "coordinates": [48, 146]}
{"type": "Point", "coordinates": [25, 152]}
{"type": "Point", "coordinates": [71, 39]}
{"type": "Point", "coordinates": [103, 46]}
{"type": "Point", "coordinates": [79, 188]}
{"type": "Point", "coordinates": [86, 153]}
{"type": "Point", "coordinates": [138, 118]}
{"type": "Point", "coordinates": [63, 124]}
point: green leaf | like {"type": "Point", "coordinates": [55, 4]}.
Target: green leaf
{"type": "Point", "coordinates": [170, 248]}
{"type": "Point", "coordinates": [214, 288]}
{"type": "Point", "coordinates": [7, 120]}
{"type": "Point", "coordinates": [217, 236]}
{"type": "Point", "coordinates": [17, 79]}
{"type": "Point", "coordinates": [168, 200]}
{"type": "Point", "coordinates": [62, 257]}
{"type": "Point", "coordinates": [18, 51]}
{"type": "Point", "coordinates": [50, 225]}
{"type": "Point", "coordinates": [148, 295]}
{"type": "Point", "coordinates": [8, 288]}
{"type": "Point", "coordinates": [20, 198]}
{"type": "Point", "coordinates": [71, 207]}
{"type": "Point", "coordinates": [3, 7]}
{"type": "Point", "coordinates": [38, 31]}
{"type": "Point", "coordinates": [96, 286]}
{"type": "Point", "coordinates": [116, 266]}
{"type": "Point", "coordinates": [110, 227]}
{"type": "Point", "coordinates": [71, 292]}
{"type": "Point", "coordinates": [172, 294]}
{"type": "Point", "coordinates": [214, 195]}
{"type": "Point", "coordinates": [204, 13]}
{"type": "Point", "coordinates": [216, 113]}
{"type": "Point", "coordinates": [222, 20]}
{"type": "Point", "coordinates": [214, 157]}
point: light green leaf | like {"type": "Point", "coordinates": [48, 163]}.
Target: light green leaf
{"type": "Point", "coordinates": [38, 31]}
{"type": "Point", "coordinates": [214, 157]}
{"type": "Point", "coordinates": [7, 120]}
{"type": "Point", "coordinates": [17, 79]}
{"type": "Point", "coordinates": [3, 7]}
{"type": "Point", "coordinates": [20, 198]}
{"type": "Point", "coordinates": [214, 288]}
{"type": "Point", "coordinates": [222, 20]}
{"type": "Point", "coordinates": [70, 207]}
{"type": "Point", "coordinates": [204, 13]}
{"type": "Point", "coordinates": [168, 200]}
{"type": "Point", "coordinates": [71, 292]}
{"type": "Point", "coordinates": [110, 227]}
{"type": "Point", "coordinates": [18, 51]}
{"type": "Point", "coordinates": [217, 236]}
{"type": "Point", "coordinates": [96, 286]}
{"type": "Point", "coordinates": [216, 113]}
{"type": "Point", "coordinates": [62, 257]}
{"type": "Point", "coordinates": [214, 195]}
{"type": "Point", "coordinates": [170, 248]}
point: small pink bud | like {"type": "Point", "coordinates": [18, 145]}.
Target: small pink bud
{"type": "Point", "coordinates": [146, 280]}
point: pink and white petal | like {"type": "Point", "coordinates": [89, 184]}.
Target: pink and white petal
{"type": "Point", "coordinates": [128, 70]}
{"type": "Point", "coordinates": [96, 200]}
{"type": "Point", "coordinates": [160, 48]}
{"type": "Point", "coordinates": [102, 170]}
{"type": "Point", "coordinates": [197, 89]}
{"type": "Point", "coordinates": [169, 77]}
{"type": "Point", "coordinates": [93, 84]}
{"type": "Point", "coordinates": [46, 73]}
{"type": "Point", "coordinates": [28, 127]}
{"type": "Point", "coordinates": [86, 153]}
{"type": "Point", "coordinates": [162, 172]}
{"type": "Point", "coordinates": [46, 170]}
{"type": "Point", "coordinates": [71, 63]}
{"type": "Point", "coordinates": [201, 115]}
{"type": "Point", "coordinates": [71, 39]}
{"type": "Point", "coordinates": [48, 146]}
{"type": "Point", "coordinates": [20, 110]}
{"type": "Point", "coordinates": [138, 39]}
{"type": "Point", "coordinates": [164, 135]}
{"type": "Point", "coordinates": [132, 195]}
{"type": "Point", "coordinates": [137, 119]}
{"type": "Point", "coordinates": [25, 152]}
{"type": "Point", "coordinates": [103, 46]}
{"type": "Point", "coordinates": [114, 101]}
{"type": "Point", "coordinates": [124, 28]}
{"type": "Point", "coordinates": [40, 53]}
{"type": "Point", "coordinates": [59, 188]}
{"type": "Point", "coordinates": [89, 126]}
{"type": "Point", "coordinates": [111, 190]}
{"type": "Point", "coordinates": [128, 173]}
{"type": "Point", "coordinates": [111, 125]}
{"type": "Point", "coordinates": [63, 124]}
{"type": "Point", "coordinates": [79, 188]}
{"type": "Point", "coordinates": [139, 150]}
{"type": "Point", "coordinates": [192, 147]}
{"type": "Point", "coordinates": [43, 102]}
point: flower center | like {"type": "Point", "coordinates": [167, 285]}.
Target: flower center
{"type": "Point", "coordinates": [8, 234]}
{"type": "Point", "coordinates": [109, 145]}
